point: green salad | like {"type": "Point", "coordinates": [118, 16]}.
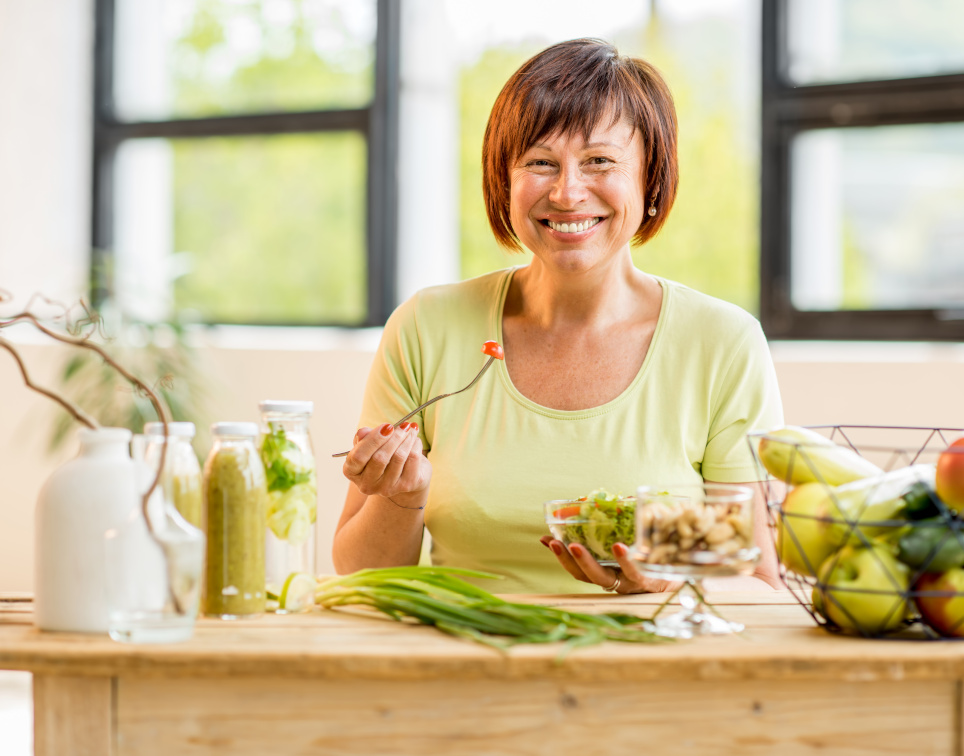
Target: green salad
{"type": "Point", "coordinates": [597, 521]}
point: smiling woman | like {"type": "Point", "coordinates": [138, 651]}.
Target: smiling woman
{"type": "Point", "coordinates": [613, 377]}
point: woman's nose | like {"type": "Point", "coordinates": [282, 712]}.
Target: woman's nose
{"type": "Point", "coordinates": [569, 188]}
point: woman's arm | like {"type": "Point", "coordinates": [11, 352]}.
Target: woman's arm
{"type": "Point", "coordinates": [381, 524]}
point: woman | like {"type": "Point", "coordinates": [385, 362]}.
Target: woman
{"type": "Point", "coordinates": [612, 378]}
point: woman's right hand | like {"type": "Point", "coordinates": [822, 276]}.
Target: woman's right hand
{"type": "Point", "coordinates": [388, 461]}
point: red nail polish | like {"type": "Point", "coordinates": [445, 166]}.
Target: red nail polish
{"type": "Point", "coordinates": [404, 426]}
{"type": "Point", "coordinates": [386, 429]}
{"type": "Point", "coordinates": [575, 549]}
{"type": "Point", "coordinates": [555, 548]}
{"type": "Point", "coordinates": [619, 549]}
{"type": "Point", "coordinates": [415, 427]}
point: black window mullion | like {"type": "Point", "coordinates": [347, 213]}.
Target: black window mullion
{"type": "Point", "coordinates": [382, 222]}
{"type": "Point", "coordinates": [104, 149]}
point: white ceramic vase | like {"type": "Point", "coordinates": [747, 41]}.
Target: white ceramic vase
{"type": "Point", "coordinates": [91, 493]}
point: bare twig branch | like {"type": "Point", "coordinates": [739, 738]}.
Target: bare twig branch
{"type": "Point", "coordinates": [79, 414]}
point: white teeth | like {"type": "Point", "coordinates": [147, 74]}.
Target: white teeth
{"type": "Point", "coordinates": [573, 228]}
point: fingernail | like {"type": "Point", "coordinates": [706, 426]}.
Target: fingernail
{"type": "Point", "coordinates": [545, 541]}
{"type": "Point", "coordinates": [619, 549]}
{"type": "Point", "coordinates": [555, 548]}
{"type": "Point", "coordinates": [386, 429]}
{"type": "Point", "coordinates": [404, 426]}
{"type": "Point", "coordinates": [415, 427]}
{"type": "Point", "coordinates": [575, 549]}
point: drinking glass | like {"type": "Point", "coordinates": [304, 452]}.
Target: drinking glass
{"type": "Point", "coordinates": [153, 581]}
{"type": "Point", "coordinates": [691, 532]}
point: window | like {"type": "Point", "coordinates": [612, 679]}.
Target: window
{"type": "Point", "coordinates": [244, 160]}
{"type": "Point", "coordinates": [862, 207]}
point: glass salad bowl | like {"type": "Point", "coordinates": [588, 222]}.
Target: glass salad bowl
{"type": "Point", "coordinates": [596, 522]}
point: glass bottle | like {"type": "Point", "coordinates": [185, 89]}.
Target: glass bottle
{"type": "Point", "coordinates": [182, 473]}
{"type": "Point", "coordinates": [234, 522]}
{"type": "Point", "coordinates": [289, 463]}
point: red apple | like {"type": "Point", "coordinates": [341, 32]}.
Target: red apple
{"type": "Point", "coordinates": [944, 613]}
{"type": "Point", "coordinates": [949, 482]}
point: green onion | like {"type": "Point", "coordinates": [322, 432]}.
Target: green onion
{"type": "Point", "coordinates": [438, 596]}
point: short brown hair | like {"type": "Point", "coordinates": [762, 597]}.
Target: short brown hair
{"type": "Point", "coordinates": [568, 88]}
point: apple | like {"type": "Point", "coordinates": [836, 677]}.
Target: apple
{"type": "Point", "coordinates": [943, 613]}
{"type": "Point", "coordinates": [803, 541]}
{"type": "Point", "coordinates": [949, 480]}
{"type": "Point", "coordinates": [863, 589]}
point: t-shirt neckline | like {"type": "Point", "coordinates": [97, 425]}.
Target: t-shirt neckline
{"type": "Point", "coordinates": [580, 414]}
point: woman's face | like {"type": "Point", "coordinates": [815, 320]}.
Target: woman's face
{"type": "Point", "coordinates": [576, 203]}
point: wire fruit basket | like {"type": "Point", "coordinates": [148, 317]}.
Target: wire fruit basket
{"type": "Point", "coordinates": [868, 527]}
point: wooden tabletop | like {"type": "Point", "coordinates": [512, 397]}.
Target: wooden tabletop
{"type": "Point", "coordinates": [781, 642]}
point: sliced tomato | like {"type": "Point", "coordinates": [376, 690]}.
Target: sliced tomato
{"type": "Point", "coordinates": [493, 349]}
{"type": "Point", "coordinates": [564, 513]}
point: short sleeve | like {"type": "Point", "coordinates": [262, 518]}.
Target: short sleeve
{"type": "Point", "coordinates": [395, 379]}
{"type": "Point", "coordinates": [748, 399]}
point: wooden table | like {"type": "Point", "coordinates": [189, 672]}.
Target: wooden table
{"type": "Point", "coordinates": [333, 683]}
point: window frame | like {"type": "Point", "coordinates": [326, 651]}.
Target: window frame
{"type": "Point", "coordinates": [378, 124]}
{"type": "Point", "coordinates": [788, 110]}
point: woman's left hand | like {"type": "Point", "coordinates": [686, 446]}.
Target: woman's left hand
{"type": "Point", "coordinates": [579, 563]}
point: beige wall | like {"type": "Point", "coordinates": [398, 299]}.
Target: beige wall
{"type": "Point", "coordinates": [827, 383]}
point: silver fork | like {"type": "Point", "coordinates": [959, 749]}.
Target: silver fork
{"type": "Point", "coordinates": [420, 407]}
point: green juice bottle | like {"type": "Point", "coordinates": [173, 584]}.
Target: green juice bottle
{"type": "Point", "coordinates": [234, 522]}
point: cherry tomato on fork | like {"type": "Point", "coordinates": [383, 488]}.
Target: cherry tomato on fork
{"type": "Point", "coordinates": [493, 349]}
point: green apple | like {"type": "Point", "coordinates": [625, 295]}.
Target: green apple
{"type": "Point", "coordinates": [943, 613]}
{"type": "Point", "coordinates": [863, 589]}
{"type": "Point", "coordinates": [803, 532]}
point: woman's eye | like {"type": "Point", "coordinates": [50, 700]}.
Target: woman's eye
{"type": "Point", "coordinates": [600, 161]}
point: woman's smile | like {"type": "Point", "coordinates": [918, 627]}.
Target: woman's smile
{"type": "Point", "coordinates": [573, 227]}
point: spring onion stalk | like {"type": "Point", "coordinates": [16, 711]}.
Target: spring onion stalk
{"type": "Point", "coordinates": [439, 596]}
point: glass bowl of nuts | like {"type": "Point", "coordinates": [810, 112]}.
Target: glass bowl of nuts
{"type": "Point", "coordinates": [691, 532]}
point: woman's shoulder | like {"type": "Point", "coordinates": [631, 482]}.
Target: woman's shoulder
{"type": "Point", "coordinates": [699, 312]}
{"type": "Point", "coordinates": [459, 299]}
{"type": "Point", "coordinates": [436, 307]}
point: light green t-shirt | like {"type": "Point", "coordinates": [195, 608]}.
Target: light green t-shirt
{"type": "Point", "coordinates": [497, 456]}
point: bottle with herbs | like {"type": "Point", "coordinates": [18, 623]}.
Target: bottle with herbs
{"type": "Point", "coordinates": [289, 464]}
{"type": "Point", "coordinates": [182, 473]}
{"type": "Point", "coordinates": [234, 522]}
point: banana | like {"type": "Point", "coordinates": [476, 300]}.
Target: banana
{"type": "Point", "coordinates": [798, 455]}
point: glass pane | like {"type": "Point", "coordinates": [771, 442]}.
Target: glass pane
{"type": "Point", "coordinates": [243, 230]}
{"type": "Point", "coordinates": [194, 58]}
{"type": "Point", "coordinates": [877, 218]}
{"type": "Point", "coordinates": [858, 40]}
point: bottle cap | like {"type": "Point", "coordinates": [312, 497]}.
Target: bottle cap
{"type": "Point", "coordinates": [180, 429]}
{"type": "Point", "coordinates": [234, 429]}
{"type": "Point", "coordinates": [290, 407]}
